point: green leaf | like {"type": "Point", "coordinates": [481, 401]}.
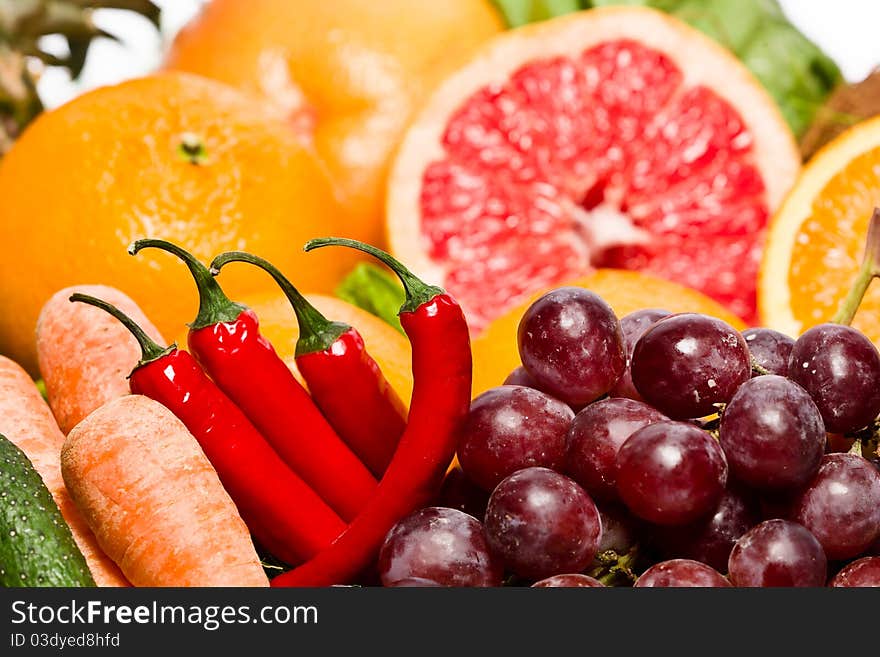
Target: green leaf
{"type": "Point", "coordinates": [609, 3]}
{"type": "Point", "coordinates": [795, 72]}
{"type": "Point", "coordinates": [732, 23]}
{"type": "Point", "coordinates": [520, 12]}
{"type": "Point", "coordinates": [374, 290]}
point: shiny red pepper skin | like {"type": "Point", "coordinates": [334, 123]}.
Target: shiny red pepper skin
{"type": "Point", "coordinates": [279, 508]}
{"type": "Point", "coordinates": [441, 398]}
{"type": "Point", "coordinates": [368, 415]}
{"type": "Point", "coordinates": [246, 367]}
{"type": "Point", "coordinates": [345, 382]}
{"type": "Point", "coordinates": [225, 340]}
{"type": "Point", "coordinates": [284, 514]}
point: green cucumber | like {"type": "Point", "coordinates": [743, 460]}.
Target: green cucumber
{"type": "Point", "coordinates": [36, 546]}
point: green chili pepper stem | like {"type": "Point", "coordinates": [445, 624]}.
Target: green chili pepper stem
{"type": "Point", "coordinates": [214, 306]}
{"type": "Point", "coordinates": [417, 291]}
{"type": "Point", "coordinates": [316, 332]}
{"type": "Point", "coordinates": [150, 349]}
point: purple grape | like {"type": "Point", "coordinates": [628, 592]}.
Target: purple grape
{"type": "Point", "coordinates": [633, 326]}
{"type": "Point", "coordinates": [574, 580]}
{"type": "Point", "coordinates": [414, 582]}
{"type": "Point", "coordinates": [840, 368]}
{"type": "Point", "coordinates": [772, 434]}
{"type": "Point", "coordinates": [510, 428]}
{"type": "Point", "coordinates": [439, 545]}
{"type": "Point", "coordinates": [618, 529]}
{"type": "Point", "coordinates": [671, 473]}
{"type": "Point", "coordinates": [686, 364]}
{"type": "Point", "coordinates": [519, 377]}
{"type": "Point", "coordinates": [595, 437]}
{"type": "Point", "coordinates": [571, 344]}
{"type": "Point", "coordinates": [681, 573]}
{"type": "Point", "coordinates": [710, 540]}
{"type": "Point", "coordinates": [541, 523]}
{"type": "Point", "coordinates": [777, 504]}
{"type": "Point", "coordinates": [837, 442]}
{"type": "Point", "coordinates": [777, 553]}
{"type": "Point", "coordinates": [862, 573]}
{"type": "Point", "coordinates": [841, 506]}
{"type": "Point", "coordinates": [459, 492]}
{"type": "Point", "coordinates": [769, 348]}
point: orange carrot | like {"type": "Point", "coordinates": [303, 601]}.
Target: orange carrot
{"type": "Point", "coordinates": [154, 501]}
{"type": "Point", "coordinates": [26, 420]}
{"type": "Point", "coordinates": [85, 355]}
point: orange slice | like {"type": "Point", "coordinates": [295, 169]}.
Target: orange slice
{"type": "Point", "coordinates": [816, 239]}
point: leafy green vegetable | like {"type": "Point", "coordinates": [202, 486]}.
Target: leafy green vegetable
{"type": "Point", "coordinates": [798, 75]}
{"type": "Point", "coordinates": [374, 290]}
{"type": "Point", "coordinates": [520, 12]}
{"type": "Point", "coordinates": [732, 23]}
{"type": "Point", "coordinates": [792, 68]}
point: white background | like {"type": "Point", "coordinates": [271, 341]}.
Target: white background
{"type": "Point", "coordinates": [848, 30]}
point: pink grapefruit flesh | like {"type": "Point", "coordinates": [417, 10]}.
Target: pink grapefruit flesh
{"type": "Point", "coordinates": [615, 138]}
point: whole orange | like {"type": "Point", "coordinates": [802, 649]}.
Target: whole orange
{"type": "Point", "coordinates": [348, 73]}
{"type": "Point", "coordinates": [174, 156]}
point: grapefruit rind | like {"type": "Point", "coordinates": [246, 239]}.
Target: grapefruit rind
{"type": "Point", "coordinates": [701, 60]}
{"type": "Point", "coordinates": [774, 293]}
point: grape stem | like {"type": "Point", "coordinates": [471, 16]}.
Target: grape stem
{"type": "Point", "coordinates": [614, 568]}
{"type": "Point", "coordinates": [759, 369]}
{"type": "Point", "coordinates": [866, 442]}
{"type": "Point", "coordinates": [856, 448]}
{"type": "Point", "coordinates": [869, 270]}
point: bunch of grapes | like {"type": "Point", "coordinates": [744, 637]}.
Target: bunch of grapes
{"type": "Point", "coordinates": [659, 449]}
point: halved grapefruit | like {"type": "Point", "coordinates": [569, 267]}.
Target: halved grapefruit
{"type": "Point", "coordinates": [615, 137]}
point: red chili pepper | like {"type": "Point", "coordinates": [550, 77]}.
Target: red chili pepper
{"type": "Point", "coordinates": [283, 513]}
{"type": "Point", "coordinates": [225, 339]}
{"type": "Point", "coordinates": [345, 382]}
{"type": "Point", "coordinates": [441, 354]}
